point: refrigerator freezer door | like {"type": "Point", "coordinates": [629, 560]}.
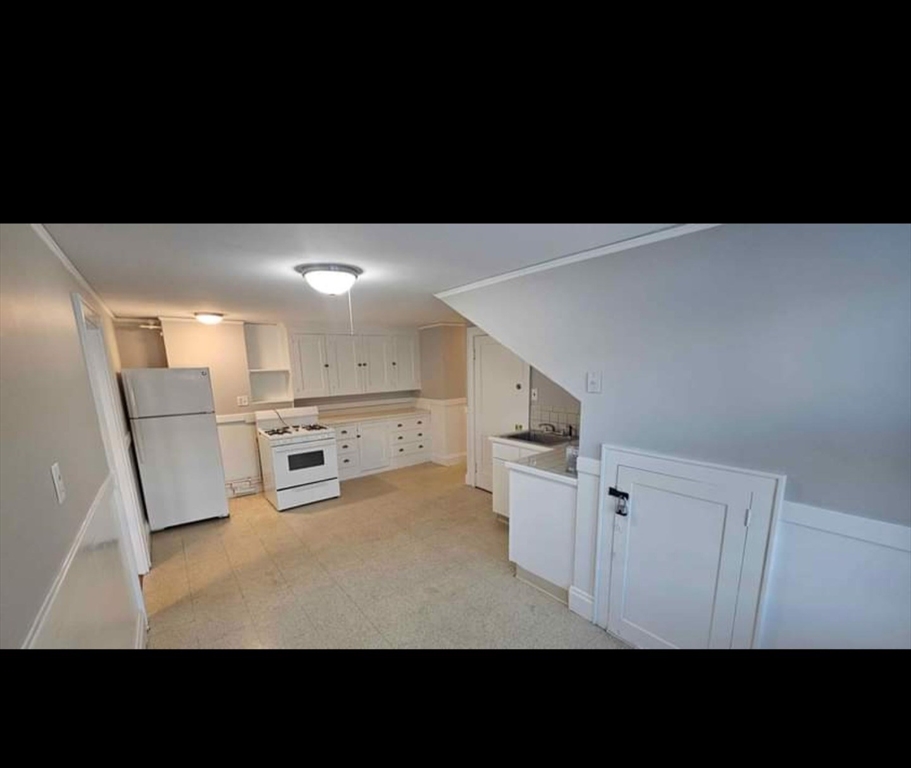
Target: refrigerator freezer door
{"type": "Point", "coordinates": [180, 464]}
{"type": "Point", "coordinates": [167, 391]}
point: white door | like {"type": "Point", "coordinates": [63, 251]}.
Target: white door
{"type": "Point", "coordinates": [373, 443]}
{"type": "Point", "coordinates": [407, 363]}
{"type": "Point", "coordinates": [500, 401]}
{"type": "Point", "coordinates": [376, 363]}
{"type": "Point", "coordinates": [682, 573]}
{"type": "Point", "coordinates": [344, 368]}
{"type": "Point", "coordinates": [167, 391]}
{"type": "Point", "coordinates": [311, 366]}
{"type": "Point", "coordinates": [180, 464]}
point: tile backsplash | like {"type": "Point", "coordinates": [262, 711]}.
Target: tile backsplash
{"type": "Point", "coordinates": [554, 405]}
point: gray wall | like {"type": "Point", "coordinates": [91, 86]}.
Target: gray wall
{"type": "Point", "coordinates": [47, 414]}
{"type": "Point", "coordinates": [784, 348]}
{"type": "Point", "coordinates": [443, 362]}
{"type": "Point", "coordinates": [140, 347]}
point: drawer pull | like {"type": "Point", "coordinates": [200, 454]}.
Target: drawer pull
{"type": "Point", "coordinates": [420, 422]}
{"type": "Point", "coordinates": [399, 425]}
{"type": "Point", "coordinates": [400, 437]}
{"type": "Point", "coordinates": [401, 450]}
{"type": "Point", "coordinates": [346, 461]}
{"type": "Point", "coordinates": [420, 446]}
{"type": "Point", "coordinates": [420, 434]}
{"type": "Point", "coordinates": [345, 445]}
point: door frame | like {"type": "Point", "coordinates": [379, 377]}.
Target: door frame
{"type": "Point", "coordinates": [110, 419]}
{"type": "Point", "coordinates": [604, 530]}
{"type": "Point", "coordinates": [471, 334]}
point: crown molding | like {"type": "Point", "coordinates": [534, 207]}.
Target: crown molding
{"type": "Point", "coordinates": [573, 258]}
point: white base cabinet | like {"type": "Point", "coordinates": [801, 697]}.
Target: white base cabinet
{"type": "Point", "coordinates": [378, 445]}
{"type": "Point", "coordinates": [503, 452]}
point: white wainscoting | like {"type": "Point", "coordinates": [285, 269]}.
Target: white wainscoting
{"type": "Point", "coordinates": [837, 581]}
{"type": "Point", "coordinates": [447, 428]}
{"type": "Point", "coordinates": [239, 454]}
{"type": "Point", "coordinates": [92, 602]}
{"type": "Point", "coordinates": [834, 580]}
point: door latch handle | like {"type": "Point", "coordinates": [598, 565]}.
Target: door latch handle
{"type": "Point", "coordinates": [622, 499]}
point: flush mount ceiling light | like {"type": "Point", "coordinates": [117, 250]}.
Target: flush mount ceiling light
{"type": "Point", "coordinates": [333, 279]}
{"type": "Point", "coordinates": [209, 318]}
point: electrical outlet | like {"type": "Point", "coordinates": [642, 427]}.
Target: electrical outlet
{"type": "Point", "coordinates": [243, 400]}
{"type": "Point", "coordinates": [593, 382]}
{"type": "Point", "coordinates": [59, 487]}
{"type": "Point", "coordinates": [534, 394]}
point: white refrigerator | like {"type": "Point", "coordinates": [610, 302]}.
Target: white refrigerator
{"type": "Point", "coordinates": [172, 418]}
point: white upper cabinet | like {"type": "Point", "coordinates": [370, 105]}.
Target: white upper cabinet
{"type": "Point", "coordinates": [344, 368]}
{"type": "Point", "coordinates": [376, 363]}
{"type": "Point", "coordinates": [340, 364]}
{"type": "Point", "coordinates": [309, 365]}
{"type": "Point", "coordinates": [406, 363]}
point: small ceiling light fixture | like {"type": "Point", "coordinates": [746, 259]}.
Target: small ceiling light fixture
{"type": "Point", "coordinates": [334, 279]}
{"type": "Point", "coordinates": [209, 318]}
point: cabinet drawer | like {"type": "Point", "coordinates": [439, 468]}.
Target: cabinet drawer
{"type": "Point", "coordinates": [409, 448]}
{"type": "Point", "coordinates": [348, 464]}
{"type": "Point", "coordinates": [408, 435]}
{"type": "Point", "coordinates": [344, 431]}
{"type": "Point", "coordinates": [409, 422]}
{"type": "Point", "coordinates": [347, 444]}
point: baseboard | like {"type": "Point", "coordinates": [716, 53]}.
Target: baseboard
{"type": "Point", "coordinates": [581, 603]}
{"type": "Point", "coordinates": [449, 460]}
{"type": "Point", "coordinates": [542, 585]}
{"type": "Point", "coordinates": [45, 609]}
{"type": "Point", "coordinates": [245, 487]}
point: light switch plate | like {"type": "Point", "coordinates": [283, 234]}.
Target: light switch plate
{"type": "Point", "coordinates": [593, 382]}
{"type": "Point", "coordinates": [243, 400]}
{"type": "Point", "coordinates": [59, 487]}
{"type": "Point", "coordinates": [534, 394]}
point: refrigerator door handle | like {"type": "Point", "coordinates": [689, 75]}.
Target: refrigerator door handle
{"type": "Point", "coordinates": [137, 438]}
{"type": "Point", "coordinates": [130, 396]}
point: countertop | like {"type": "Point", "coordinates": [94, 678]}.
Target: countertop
{"type": "Point", "coordinates": [369, 414]}
{"type": "Point", "coordinates": [503, 440]}
{"type": "Point", "coordinates": [550, 465]}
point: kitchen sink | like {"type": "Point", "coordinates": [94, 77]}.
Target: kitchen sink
{"type": "Point", "coordinates": [542, 438]}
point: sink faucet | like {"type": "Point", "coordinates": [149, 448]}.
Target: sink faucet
{"type": "Point", "coordinates": [545, 424]}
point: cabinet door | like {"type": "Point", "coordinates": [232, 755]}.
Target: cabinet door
{"type": "Point", "coordinates": [373, 439]}
{"type": "Point", "coordinates": [681, 571]}
{"type": "Point", "coordinates": [376, 363]}
{"type": "Point", "coordinates": [343, 365]}
{"type": "Point", "coordinates": [310, 365]}
{"type": "Point", "coordinates": [407, 363]}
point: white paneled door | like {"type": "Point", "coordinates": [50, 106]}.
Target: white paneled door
{"type": "Point", "coordinates": [500, 401]}
{"type": "Point", "coordinates": [686, 551]}
{"type": "Point", "coordinates": [377, 354]}
{"type": "Point", "coordinates": [344, 365]}
{"type": "Point", "coordinates": [373, 445]}
{"type": "Point", "coordinates": [407, 363]}
{"type": "Point", "coordinates": [310, 365]}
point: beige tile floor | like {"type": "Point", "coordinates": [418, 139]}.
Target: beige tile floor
{"type": "Point", "coordinates": [411, 558]}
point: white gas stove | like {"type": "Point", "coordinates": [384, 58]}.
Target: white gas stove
{"type": "Point", "coordinates": [298, 457]}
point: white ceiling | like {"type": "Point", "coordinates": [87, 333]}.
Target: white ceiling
{"type": "Point", "coordinates": [247, 270]}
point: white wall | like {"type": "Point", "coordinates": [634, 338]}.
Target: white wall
{"type": "Point", "coordinates": [47, 415]}
{"type": "Point", "coordinates": [782, 348]}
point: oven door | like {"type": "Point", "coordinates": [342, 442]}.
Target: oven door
{"type": "Point", "coordinates": [304, 463]}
